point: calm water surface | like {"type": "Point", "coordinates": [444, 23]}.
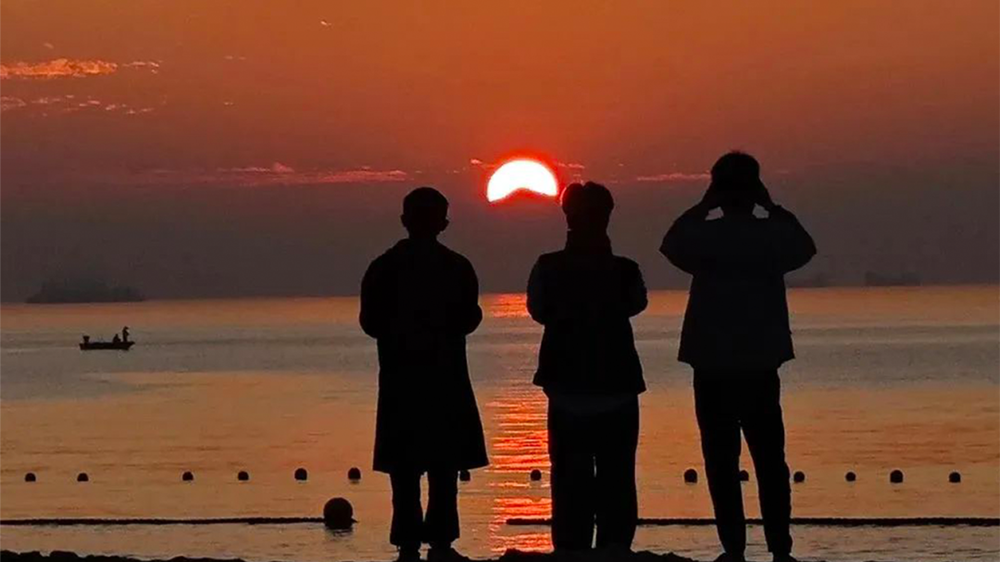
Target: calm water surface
{"type": "Point", "coordinates": [886, 378]}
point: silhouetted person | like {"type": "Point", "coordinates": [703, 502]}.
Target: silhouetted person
{"type": "Point", "coordinates": [736, 335]}
{"type": "Point", "coordinates": [116, 339]}
{"type": "Point", "coordinates": [585, 295]}
{"type": "Point", "coordinates": [125, 334]}
{"type": "Point", "coordinates": [420, 300]}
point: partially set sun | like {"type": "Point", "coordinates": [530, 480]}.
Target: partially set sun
{"type": "Point", "coordinates": [521, 174]}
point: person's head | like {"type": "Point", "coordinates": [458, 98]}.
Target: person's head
{"type": "Point", "coordinates": [425, 212]}
{"type": "Point", "coordinates": [736, 177]}
{"type": "Point", "coordinates": [587, 206]}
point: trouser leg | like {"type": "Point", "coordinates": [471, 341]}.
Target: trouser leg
{"type": "Point", "coordinates": [765, 434]}
{"type": "Point", "coordinates": [407, 513]}
{"type": "Point", "coordinates": [720, 444]}
{"type": "Point", "coordinates": [572, 462]}
{"type": "Point", "coordinates": [441, 526]}
{"type": "Point", "coordinates": [617, 507]}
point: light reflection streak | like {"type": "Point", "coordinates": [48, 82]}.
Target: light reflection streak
{"type": "Point", "coordinates": [519, 445]}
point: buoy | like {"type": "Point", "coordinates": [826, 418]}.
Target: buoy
{"type": "Point", "coordinates": [744, 476]}
{"type": "Point", "coordinates": [29, 477]}
{"type": "Point", "coordinates": [850, 476]}
{"type": "Point", "coordinates": [954, 478]}
{"type": "Point", "coordinates": [690, 476]}
{"type": "Point", "coordinates": [536, 475]}
{"type": "Point", "coordinates": [243, 476]}
{"type": "Point", "coordinates": [338, 514]}
{"type": "Point", "coordinates": [799, 477]}
{"type": "Point", "coordinates": [82, 477]}
{"type": "Point", "coordinates": [187, 477]}
{"type": "Point", "coordinates": [464, 475]}
{"type": "Point", "coordinates": [301, 474]}
{"type": "Point", "coordinates": [354, 474]}
{"type": "Point", "coordinates": [896, 476]}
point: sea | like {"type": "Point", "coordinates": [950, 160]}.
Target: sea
{"type": "Point", "coordinates": [904, 378]}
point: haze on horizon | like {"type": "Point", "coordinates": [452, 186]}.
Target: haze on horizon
{"type": "Point", "coordinates": [250, 148]}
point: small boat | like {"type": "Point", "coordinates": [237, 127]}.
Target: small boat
{"type": "Point", "coordinates": [119, 345]}
{"type": "Point", "coordinates": [119, 342]}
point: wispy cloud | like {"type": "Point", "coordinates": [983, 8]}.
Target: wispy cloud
{"type": "Point", "coordinates": [575, 166]}
{"type": "Point", "coordinates": [275, 168]}
{"type": "Point", "coordinates": [69, 68]}
{"type": "Point", "coordinates": [45, 106]}
{"type": "Point", "coordinates": [8, 103]}
{"type": "Point", "coordinates": [273, 174]}
{"type": "Point", "coordinates": [670, 177]}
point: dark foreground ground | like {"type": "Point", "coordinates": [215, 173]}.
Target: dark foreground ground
{"type": "Point", "coordinates": [509, 556]}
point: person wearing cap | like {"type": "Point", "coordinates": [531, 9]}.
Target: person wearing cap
{"type": "Point", "coordinates": [588, 367]}
{"type": "Point", "coordinates": [420, 300]}
{"type": "Point", "coordinates": [736, 335]}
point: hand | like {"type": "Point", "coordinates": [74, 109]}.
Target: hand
{"type": "Point", "coordinates": [763, 197]}
{"type": "Point", "coordinates": [711, 199]}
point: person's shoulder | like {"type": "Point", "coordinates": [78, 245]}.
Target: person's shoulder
{"type": "Point", "coordinates": [386, 258]}
{"type": "Point", "coordinates": [550, 258]}
{"type": "Point", "coordinates": [456, 258]}
{"type": "Point", "coordinates": [626, 263]}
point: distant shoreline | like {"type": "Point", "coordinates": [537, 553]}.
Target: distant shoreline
{"type": "Point", "coordinates": [489, 294]}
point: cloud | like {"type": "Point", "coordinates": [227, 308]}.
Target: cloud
{"type": "Point", "coordinates": [69, 68]}
{"type": "Point", "coordinates": [8, 103]}
{"type": "Point", "coordinates": [670, 177]}
{"type": "Point", "coordinates": [276, 168]}
{"type": "Point", "coordinates": [45, 106]}
{"type": "Point", "coordinates": [273, 174]}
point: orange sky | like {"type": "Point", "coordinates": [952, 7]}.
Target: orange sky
{"type": "Point", "coordinates": [659, 87]}
{"type": "Point", "coordinates": [106, 97]}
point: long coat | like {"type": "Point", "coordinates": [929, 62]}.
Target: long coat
{"type": "Point", "coordinates": [419, 300]}
{"type": "Point", "coordinates": [737, 314]}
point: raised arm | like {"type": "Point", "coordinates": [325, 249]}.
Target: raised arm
{"type": "Point", "coordinates": [683, 244]}
{"type": "Point", "coordinates": [793, 247]}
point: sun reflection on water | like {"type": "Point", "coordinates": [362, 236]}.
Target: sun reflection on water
{"type": "Point", "coordinates": [519, 445]}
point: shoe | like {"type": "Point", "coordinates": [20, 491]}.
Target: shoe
{"type": "Point", "coordinates": [408, 554]}
{"type": "Point", "coordinates": [784, 558]}
{"type": "Point", "coordinates": [729, 557]}
{"type": "Point", "coordinates": [445, 554]}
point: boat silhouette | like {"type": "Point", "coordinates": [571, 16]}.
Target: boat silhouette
{"type": "Point", "coordinates": [119, 345]}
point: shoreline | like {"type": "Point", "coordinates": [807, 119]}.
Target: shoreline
{"type": "Point", "coordinates": [509, 556]}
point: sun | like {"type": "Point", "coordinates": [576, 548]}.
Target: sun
{"type": "Point", "coordinates": [518, 174]}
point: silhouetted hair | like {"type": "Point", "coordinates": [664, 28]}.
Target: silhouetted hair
{"type": "Point", "coordinates": [735, 174]}
{"type": "Point", "coordinates": [587, 206]}
{"type": "Point", "coordinates": [425, 211]}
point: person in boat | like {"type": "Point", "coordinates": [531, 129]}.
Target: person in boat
{"type": "Point", "coordinates": [420, 300]}
{"type": "Point", "coordinates": [86, 339]}
{"type": "Point", "coordinates": [116, 339]}
{"type": "Point", "coordinates": [125, 334]}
